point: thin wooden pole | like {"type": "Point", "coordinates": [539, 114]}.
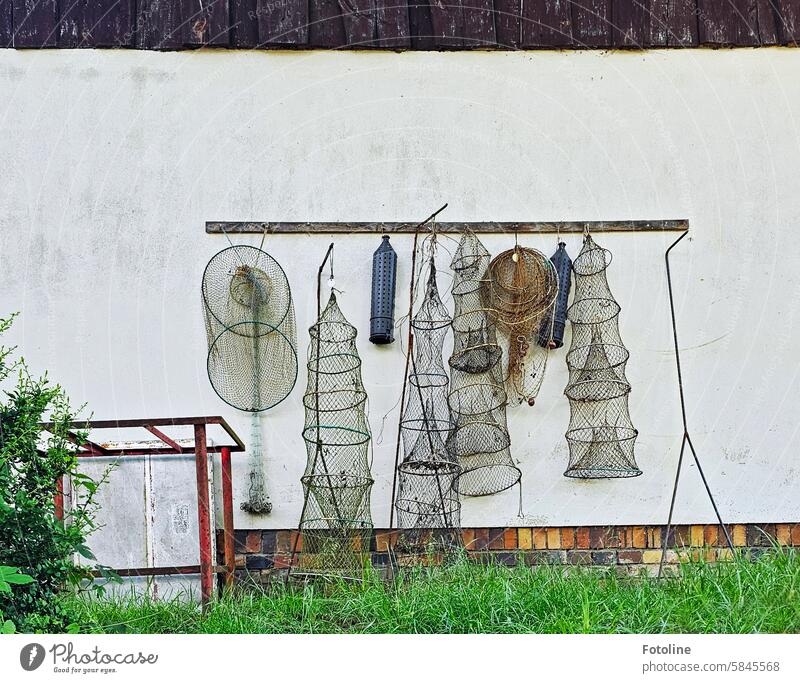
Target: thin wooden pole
{"type": "Point", "coordinates": [478, 227]}
{"type": "Point", "coordinates": [409, 351]}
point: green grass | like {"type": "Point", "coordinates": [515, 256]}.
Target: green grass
{"type": "Point", "coordinates": [733, 597]}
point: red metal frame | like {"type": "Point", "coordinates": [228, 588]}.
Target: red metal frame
{"type": "Point", "coordinates": [207, 568]}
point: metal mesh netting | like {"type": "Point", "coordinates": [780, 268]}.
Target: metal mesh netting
{"type": "Point", "coordinates": [477, 397]}
{"type": "Point", "coordinates": [519, 293]}
{"type": "Point", "coordinates": [251, 329]}
{"type": "Point", "coordinates": [252, 340]}
{"type": "Point", "coordinates": [427, 498]}
{"type": "Point", "coordinates": [336, 523]}
{"type": "Point", "coordinates": [601, 436]}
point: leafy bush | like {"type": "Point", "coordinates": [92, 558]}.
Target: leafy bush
{"type": "Point", "coordinates": [32, 461]}
{"type": "Point", "coordinates": [10, 576]}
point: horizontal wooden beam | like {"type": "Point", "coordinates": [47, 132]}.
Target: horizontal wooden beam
{"type": "Point", "coordinates": [675, 225]}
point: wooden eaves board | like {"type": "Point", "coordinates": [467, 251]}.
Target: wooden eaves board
{"type": "Point", "coordinates": [398, 25]}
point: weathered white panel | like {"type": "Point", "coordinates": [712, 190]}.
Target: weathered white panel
{"type": "Point", "coordinates": [121, 540]}
{"type": "Point", "coordinates": [174, 521]}
{"type": "Point", "coordinates": [174, 511]}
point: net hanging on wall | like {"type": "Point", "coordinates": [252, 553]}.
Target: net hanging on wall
{"type": "Point", "coordinates": [477, 396]}
{"type": "Point", "coordinates": [384, 279]}
{"type": "Point", "coordinates": [427, 504]}
{"type": "Point", "coordinates": [520, 293]}
{"type": "Point", "coordinates": [336, 523]}
{"type": "Point", "coordinates": [252, 340]}
{"type": "Point", "coordinates": [601, 436]}
{"type": "Point", "coordinates": [551, 332]}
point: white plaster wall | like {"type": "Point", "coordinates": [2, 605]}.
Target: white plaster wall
{"type": "Point", "coordinates": [111, 162]}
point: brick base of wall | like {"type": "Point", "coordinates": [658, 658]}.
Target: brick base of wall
{"type": "Point", "coordinates": [632, 549]}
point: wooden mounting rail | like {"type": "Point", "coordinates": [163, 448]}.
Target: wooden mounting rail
{"type": "Point", "coordinates": [482, 227]}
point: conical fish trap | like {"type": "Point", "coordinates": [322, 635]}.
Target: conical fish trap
{"type": "Point", "coordinates": [475, 347]}
{"type": "Point", "coordinates": [601, 436]}
{"type": "Point", "coordinates": [336, 523]}
{"type": "Point", "coordinates": [477, 396]}
{"type": "Point", "coordinates": [427, 498]}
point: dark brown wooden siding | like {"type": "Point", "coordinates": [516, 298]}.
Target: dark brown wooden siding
{"type": "Point", "coordinates": [398, 24]}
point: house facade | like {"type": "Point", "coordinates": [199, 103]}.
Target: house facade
{"type": "Point", "coordinates": [128, 126]}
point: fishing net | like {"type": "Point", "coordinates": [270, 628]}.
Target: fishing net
{"type": "Point", "coordinates": [252, 340]}
{"type": "Point", "coordinates": [475, 347]}
{"type": "Point", "coordinates": [251, 330]}
{"type": "Point", "coordinates": [336, 523]}
{"type": "Point", "coordinates": [519, 293]}
{"type": "Point", "coordinates": [477, 396]}
{"type": "Point", "coordinates": [427, 504]}
{"type": "Point", "coordinates": [601, 436]}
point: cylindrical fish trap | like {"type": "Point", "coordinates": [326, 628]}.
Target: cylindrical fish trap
{"type": "Point", "coordinates": [427, 503]}
{"type": "Point", "coordinates": [477, 397]}
{"type": "Point", "coordinates": [551, 332]}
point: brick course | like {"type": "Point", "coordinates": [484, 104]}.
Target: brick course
{"type": "Point", "coordinates": [634, 550]}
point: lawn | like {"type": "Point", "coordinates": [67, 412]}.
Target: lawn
{"type": "Point", "coordinates": [740, 596]}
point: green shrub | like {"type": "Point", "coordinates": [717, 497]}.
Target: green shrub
{"type": "Point", "coordinates": [32, 461]}
{"type": "Point", "coordinates": [10, 576]}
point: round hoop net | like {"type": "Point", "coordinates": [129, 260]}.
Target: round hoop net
{"type": "Point", "coordinates": [520, 293]}
{"type": "Point", "coordinates": [252, 342]}
{"type": "Point", "coordinates": [251, 329]}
